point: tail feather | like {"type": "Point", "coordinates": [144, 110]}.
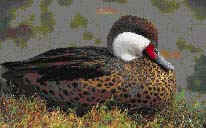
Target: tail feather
{"type": "Point", "coordinates": [11, 65]}
{"type": "Point", "coordinates": [3, 81]}
{"type": "Point", "coordinates": [8, 70]}
{"type": "Point", "coordinates": [7, 76]}
{"type": "Point", "coordinates": [3, 70]}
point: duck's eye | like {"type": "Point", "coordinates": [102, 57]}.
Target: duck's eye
{"type": "Point", "coordinates": [156, 51]}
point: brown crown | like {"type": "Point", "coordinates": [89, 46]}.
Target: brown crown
{"type": "Point", "coordinates": [134, 24]}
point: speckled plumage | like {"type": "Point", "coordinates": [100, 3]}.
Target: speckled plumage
{"type": "Point", "coordinates": [91, 75]}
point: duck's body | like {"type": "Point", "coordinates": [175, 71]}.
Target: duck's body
{"type": "Point", "coordinates": [91, 75]}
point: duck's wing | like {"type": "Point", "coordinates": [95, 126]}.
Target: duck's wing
{"type": "Point", "coordinates": [62, 64]}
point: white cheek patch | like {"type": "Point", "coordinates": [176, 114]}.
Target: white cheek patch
{"type": "Point", "coordinates": [128, 46]}
{"type": "Point", "coordinates": [141, 43]}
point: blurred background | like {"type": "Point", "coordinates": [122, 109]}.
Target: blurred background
{"type": "Point", "coordinates": [30, 27]}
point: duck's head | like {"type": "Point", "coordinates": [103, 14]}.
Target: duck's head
{"type": "Point", "coordinates": [132, 37]}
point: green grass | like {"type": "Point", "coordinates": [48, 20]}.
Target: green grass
{"type": "Point", "coordinates": [33, 112]}
{"type": "Point", "coordinates": [166, 6]}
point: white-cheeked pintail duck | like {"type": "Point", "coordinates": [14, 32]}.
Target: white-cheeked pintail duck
{"type": "Point", "coordinates": [130, 69]}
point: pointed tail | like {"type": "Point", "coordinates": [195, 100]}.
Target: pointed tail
{"type": "Point", "coordinates": [8, 70]}
{"type": "Point", "coordinates": [3, 82]}
{"type": "Point", "coordinates": [3, 70]}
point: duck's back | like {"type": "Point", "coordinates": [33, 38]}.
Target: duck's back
{"type": "Point", "coordinates": [82, 75]}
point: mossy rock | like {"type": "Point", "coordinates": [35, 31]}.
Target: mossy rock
{"type": "Point", "coordinates": [197, 81]}
{"type": "Point", "coordinates": [26, 4]}
{"type": "Point", "coordinates": [44, 4]}
{"type": "Point", "coordinates": [47, 22]}
{"type": "Point", "coordinates": [29, 21]}
{"type": "Point", "coordinates": [121, 1]}
{"type": "Point", "coordinates": [117, 1]}
{"type": "Point", "coordinates": [4, 24]}
{"type": "Point", "coordinates": [78, 21]}
{"type": "Point", "coordinates": [64, 2]}
{"type": "Point", "coordinates": [97, 41]}
{"type": "Point", "coordinates": [183, 45]}
{"type": "Point", "coordinates": [20, 42]}
{"type": "Point", "coordinates": [197, 7]}
{"type": "Point", "coordinates": [87, 36]}
{"type": "Point", "coordinates": [73, 44]}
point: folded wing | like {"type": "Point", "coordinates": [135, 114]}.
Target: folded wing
{"type": "Point", "coordinates": [62, 64]}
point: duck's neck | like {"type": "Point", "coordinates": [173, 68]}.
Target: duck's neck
{"type": "Point", "coordinates": [128, 46]}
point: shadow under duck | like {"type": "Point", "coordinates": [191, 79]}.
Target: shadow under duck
{"type": "Point", "coordinates": [130, 69]}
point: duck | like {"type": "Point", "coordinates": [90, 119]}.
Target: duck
{"type": "Point", "coordinates": [130, 70]}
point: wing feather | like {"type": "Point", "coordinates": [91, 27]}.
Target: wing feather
{"type": "Point", "coordinates": [63, 63]}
